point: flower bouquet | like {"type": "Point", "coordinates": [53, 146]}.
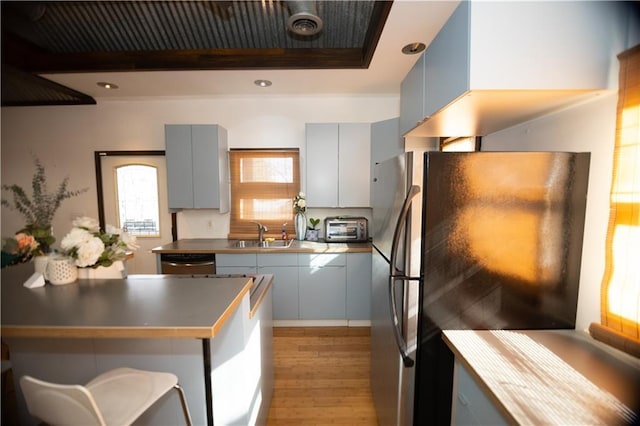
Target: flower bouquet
{"type": "Point", "coordinates": [91, 247]}
{"type": "Point", "coordinates": [300, 203]}
{"type": "Point", "coordinates": [300, 220]}
{"type": "Point", "coordinates": [19, 249]}
{"type": "Point", "coordinates": [39, 209]}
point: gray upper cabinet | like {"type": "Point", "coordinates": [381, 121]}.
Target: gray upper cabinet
{"type": "Point", "coordinates": [386, 142]}
{"type": "Point", "coordinates": [336, 174]}
{"type": "Point", "coordinates": [497, 64]}
{"type": "Point", "coordinates": [412, 97]}
{"type": "Point", "coordinates": [322, 164]}
{"type": "Point", "coordinates": [197, 167]}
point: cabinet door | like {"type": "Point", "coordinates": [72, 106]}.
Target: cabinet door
{"type": "Point", "coordinates": [284, 267]}
{"type": "Point", "coordinates": [197, 166]}
{"type": "Point", "coordinates": [277, 259]}
{"type": "Point", "coordinates": [206, 166]}
{"type": "Point", "coordinates": [285, 291]}
{"type": "Point", "coordinates": [248, 259]}
{"type": "Point", "coordinates": [322, 165]}
{"type": "Point", "coordinates": [246, 270]}
{"type": "Point", "coordinates": [322, 292]}
{"type": "Point", "coordinates": [412, 97]}
{"type": "Point", "coordinates": [178, 157]}
{"type": "Point", "coordinates": [358, 286]}
{"type": "Point", "coordinates": [354, 151]}
{"type": "Point", "coordinates": [386, 143]}
{"type": "Point", "coordinates": [447, 70]}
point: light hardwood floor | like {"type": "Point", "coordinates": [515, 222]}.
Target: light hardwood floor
{"type": "Point", "coordinates": [322, 377]}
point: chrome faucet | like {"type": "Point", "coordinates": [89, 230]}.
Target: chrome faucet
{"type": "Point", "coordinates": [261, 230]}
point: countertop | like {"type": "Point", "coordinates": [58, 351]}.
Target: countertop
{"type": "Point", "coordinates": [140, 306]}
{"type": "Point", "coordinates": [221, 245]}
{"type": "Point", "coordinates": [558, 377]}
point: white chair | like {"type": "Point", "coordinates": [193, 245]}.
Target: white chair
{"type": "Point", "coordinates": [117, 397]}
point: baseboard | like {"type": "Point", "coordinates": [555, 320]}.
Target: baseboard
{"type": "Point", "coordinates": [321, 323]}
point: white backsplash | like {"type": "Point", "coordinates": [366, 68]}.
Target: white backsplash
{"type": "Point", "coordinates": [209, 223]}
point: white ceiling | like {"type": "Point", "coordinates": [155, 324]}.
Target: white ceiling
{"type": "Point", "coordinates": [409, 21]}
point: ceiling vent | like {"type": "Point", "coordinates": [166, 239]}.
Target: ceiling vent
{"type": "Point", "coordinates": [304, 19]}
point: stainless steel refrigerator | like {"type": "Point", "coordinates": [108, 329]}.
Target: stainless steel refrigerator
{"type": "Point", "coordinates": [482, 240]}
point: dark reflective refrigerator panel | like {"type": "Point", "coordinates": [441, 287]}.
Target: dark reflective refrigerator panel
{"type": "Point", "coordinates": [498, 240]}
{"type": "Point", "coordinates": [501, 249]}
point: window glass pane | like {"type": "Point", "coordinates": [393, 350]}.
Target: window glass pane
{"type": "Point", "coordinates": [624, 289]}
{"type": "Point", "coordinates": [276, 170]}
{"type": "Point", "coordinates": [262, 210]}
{"type": "Point", "coordinates": [138, 211]}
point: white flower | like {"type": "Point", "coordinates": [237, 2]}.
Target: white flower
{"type": "Point", "coordinates": [302, 203]}
{"type": "Point", "coordinates": [89, 223]}
{"type": "Point", "coordinates": [130, 241]}
{"type": "Point", "coordinates": [89, 252]}
{"type": "Point", "coordinates": [91, 247]}
{"type": "Point", "coordinates": [301, 194]}
{"type": "Point", "coordinates": [75, 238]}
{"type": "Point", "coordinates": [113, 230]}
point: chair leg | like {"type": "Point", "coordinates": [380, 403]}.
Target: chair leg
{"type": "Point", "coordinates": [183, 401]}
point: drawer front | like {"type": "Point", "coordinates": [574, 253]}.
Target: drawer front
{"type": "Point", "coordinates": [318, 260]}
{"type": "Point", "coordinates": [248, 259]}
{"type": "Point", "coordinates": [246, 270]}
{"type": "Point", "coordinates": [277, 259]}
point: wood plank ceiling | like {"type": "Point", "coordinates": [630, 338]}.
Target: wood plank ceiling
{"type": "Point", "coordinates": [94, 36]}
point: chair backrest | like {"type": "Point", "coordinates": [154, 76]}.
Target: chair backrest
{"type": "Point", "coordinates": [60, 405]}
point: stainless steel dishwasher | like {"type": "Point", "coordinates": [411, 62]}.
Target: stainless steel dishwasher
{"type": "Point", "coordinates": [188, 263]}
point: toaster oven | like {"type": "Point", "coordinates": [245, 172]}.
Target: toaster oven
{"type": "Point", "coordinates": [339, 229]}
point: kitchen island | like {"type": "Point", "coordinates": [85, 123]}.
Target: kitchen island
{"type": "Point", "coordinates": [204, 330]}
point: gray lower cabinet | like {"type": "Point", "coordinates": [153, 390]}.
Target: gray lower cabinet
{"type": "Point", "coordinates": [236, 263]}
{"type": "Point", "coordinates": [323, 286]}
{"type": "Point", "coordinates": [310, 286]}
{"type": "Point", "coordinates": [284, 268]}
{"type": "Point", "coordinates": [358, 286]}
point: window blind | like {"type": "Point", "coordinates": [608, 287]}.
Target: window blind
{"type": "Point", "coordinates": [263, 184]}
{"type": "Point", "coordinates": [620, 297]}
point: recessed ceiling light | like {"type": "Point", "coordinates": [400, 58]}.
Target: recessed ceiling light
{"type": "Point", "coordinates": [107, 85]}
{"type": "Point", "coordinates": [262, 83]}
{"type": "Point", "coordinates": [413, 48]}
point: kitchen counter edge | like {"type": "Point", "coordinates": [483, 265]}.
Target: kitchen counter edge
{"type": "Point", "coordinates": [221, 245]}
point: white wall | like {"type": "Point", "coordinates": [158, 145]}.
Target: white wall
{"type": "Point", "coordinates": [589, 127]}
{"type": "Point", "coordinates": [65, 138]}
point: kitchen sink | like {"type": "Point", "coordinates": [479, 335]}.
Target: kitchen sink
{"type": "Point", "coordinates": [240, 244]}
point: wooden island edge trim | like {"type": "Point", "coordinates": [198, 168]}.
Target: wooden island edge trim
{"type": "Point", "coordinates": [231, 308]}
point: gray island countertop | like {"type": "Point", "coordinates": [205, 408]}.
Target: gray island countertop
{"type": "Point", "coordinates": [140, 306]}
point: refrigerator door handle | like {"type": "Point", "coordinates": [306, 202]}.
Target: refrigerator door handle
{"type": "Point", "coordinates": [402, 219]}
{"type": "Point", "coordinates": [402, 345]}
{"type": "Point", "coordinates": [395, 274]}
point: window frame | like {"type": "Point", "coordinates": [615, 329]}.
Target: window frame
{"type": "Point", "coordinates": [240, 228]}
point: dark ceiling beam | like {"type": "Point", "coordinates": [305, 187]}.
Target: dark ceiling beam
{"type": "Point", "coordinates": [22, 55]}
{"type": "Point", "coordinates": [379, 17]}
{"type": "Point", "coordinates": [180, 60]}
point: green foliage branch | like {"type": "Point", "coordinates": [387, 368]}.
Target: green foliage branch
{"type": "Point", "coordinates": [39, 209]}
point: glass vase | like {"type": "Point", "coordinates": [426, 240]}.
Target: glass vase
{"type": "Point", "coordinates": [301, 225]}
